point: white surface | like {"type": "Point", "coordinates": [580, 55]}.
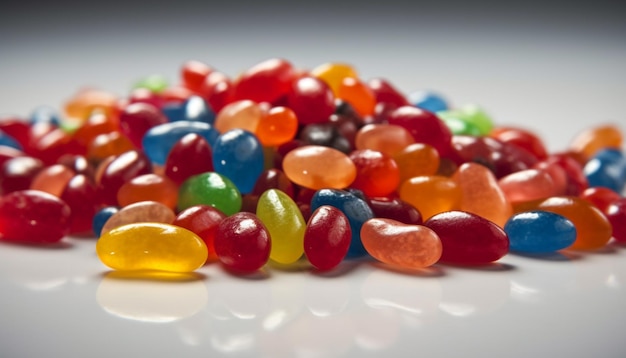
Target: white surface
{"type": "Point", "coordinates": [557, 71]}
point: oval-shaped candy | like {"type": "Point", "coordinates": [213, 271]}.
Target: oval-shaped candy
{"type": "Point", "coordinates": [244, 114]}
{"type": "Point", "coordinates": [539, 232]}
{"type": "Point", "coordinates": [191, 155]}
{"type": "Point", "coordinates": [428, 100]}
{"type": "Point", "coordinates": [401, 245]}
{"type": "Point", "coordinates": [527, 185]}
{"type": "Point", "coordinates": [151, 246]}
{"type": "Point", "coordinates": [119, 170]}
{"type": "Point", "coordinates": [210, 189]}
{"type": "Point", "coordinates": [203, 221]}
{"type": "Point", "coordinates": [242, 243]}
{"type": "Point", "coordinates": [591, 140]}
{"type": "Point", "coordinates": [417, 159]}
{"type": "Point", "coordinates": [377, 173]}
{"type": "Point", "coordinates": [283, 219]}
{"type": "Point", "coordinates": [193, 108]}
{"type": "Point", "coordinates": [431, 194]}
{"type": "Point", "coordinates": [143, 211]}
{"type": "Point", "coordinates": [137, 118]}
{"type": "Point", "coordinates": [317, 167]}
{"type": "Point", "coordinates": [101, 217]}
{"type": "Point", "coordinates": [607, 168]}
{"type": "Point", "coordinates": [354, 208]}
{"type": "Point", "coordinates": [238, 155]}
{"type": "Point", "coordinates": [468, 239]}
{"type": "Point", "coordinates": [312, 100]}
{"type": "Point", "coordinates": [616, 214]}
{"type": "Point", "coordinates": [159, 140]}
{"type": "Point", "coordinates": [327, 237]}
{"type": "Point", "coordinates": [387, 138]}
{"type": "Point", "coordinates": [33, 217]}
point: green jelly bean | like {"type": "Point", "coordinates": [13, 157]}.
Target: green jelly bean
{"type": "Point", "coordinates": [154, 83]}
{"type": "Point", "coordinates": [210, 189]}
{"type": "Point", "coordinates": [458, 126]}
{"type": "Point", "coordinates": [283, 219]}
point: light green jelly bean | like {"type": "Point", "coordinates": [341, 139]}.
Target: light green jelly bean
{"type": "Point", "coordinates": [210, 189]}
{"type": "Point", "coordinates": [458, 126]}
{"type": "Point", "coordinates": [155, 83]}
{"type": "Point", "coordinates": [283, 219]}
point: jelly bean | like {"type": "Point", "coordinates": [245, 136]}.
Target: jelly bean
{"type": "Point", "coordinates": [144, 95]}
{"type": "Point", "coordinates": [7, 153]}
{"type": "Point", "coordinates": [238, 155]}
{"type": "Point", "coordinates": [159, 140]}
{"type": "Point", "coordinates": [118, 171]}
{"type": "Point", "coordinates": [616, 214]}
{"type": "Point", "coordinates": [481, 194]}
{"type": "Point", "coordinates": [401, 245]}
{"type": "Point", "coordinates": [193, 108]}
{"type": "Point", "coordinates": [527, 185]}
{"type": "Point", "coordinates": [203, 221]}
{"type": "Point", "coordinates": [84, 103]}
{"type": "Point", "coordinates": [52, 179]}
{"type": "Point", "coordinates": [387, 138]}
{"type": "Point", "coordinates": [377, 173]}
{"type": "Point", "coordinates": [190, 156]}
{"type": "Point", "coordinates": [267, 81]}
{"type": "Point", "coordinates": [431, 194]}
{"type": "Point", "coordinates": [556, 173]}
{"type": "Point", "coordinates": [155, 83]}
{"type": "Point", "coordinates": [143, 211]}
{"type": "Point", "coordinates": [18, 173]}
{"type": "Point", "coordinates": [395, 209]}
{"type": "Point", "coordinates": [355, 209]}
{"type": "Point", "coordinates": [593, 230]}
{"type": "Point", "coordinates": [210, 189]}
{"type": "Point", "coordinates": [600, 197]}
{"type": "Point", "coordinates": [417, 159]}
{"type": "Point", "coordinates": [33, 217]}
{"type": "Point", "coordinates": [78, 164]}
{"type": "Point", "coordinates": [149, 187]}
{"type": "Point", "coordinates": [424, 126]}
{"type": "Point", "coordinates": [428, 100]}
{"type": "Point", "coordinates": [276, 127]}
{"type": "Point", "coordinates": [476, 116]}
{"type": "Point", "coordinates": [109, 144]}
{"type": "Point", "coordinates": [576, 181]}
{"type": "Point", "coordinates": [333, 74]}
{"type": "Point", "coordinates": [591, 140]}
{"type": "Point", "coordinates": [244, 114]}
{"type": "Point", "coordinates": [539, 232]}
{"type": "Point", "coordinates": [175, 95]}
{"type": "Point", "coordinates": [217, 90]}
{"type": "Point", "coordinates": [273, 179]}
{"type": "Point", "coordinates": [9, 141]}
{"type": "Point", "coordinates": [193, 74]}
{"type": "Point", "coordinates": [54, 144]}
{"type": "Point", "coordinates": [81, 196]}
{"type": "Point", "coordinates": [458, 126]}
{"type": "Point", "coordinates": [17, 128]}
{"type": "Point", "coordinates": [151, 247]}
{"type": "Point", "coordinates": [312, 100]}
{"type": "Point", "coordinates": [468, 239]}
{"type": "Point", "coordinates": [283, 219]}
{"type": "Point", "coordinates": [521, 138]}
{"type": "Point", "coordinates": [242, 243]}
{"type": "Point", "coordinates": [317, 167]}
{"type": "Point", "coordinates": [101, 217]}
{"type": "Point", "coordinates": [355, 92]}
{"type": "Point", "coordinates": [136, 119]}
{"type": "Point", "coordinates": [325, 134]}
{"type": "Point", "coordinates": [607, 168]}
{"type": "Point", "coordinates": [96, 125]}
{"type": "Point", "coordinates": [327, 238]}
{"type": "Point", "coordinates": [385, 92]}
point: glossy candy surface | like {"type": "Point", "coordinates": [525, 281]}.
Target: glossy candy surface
{"type": "Point", "coordinates": [616, 214]}
{"type": "Point", "coordinates": [317, 167]}
{"type": "Point", "coordinates": [101, 217]}
{"type": "Point", "coordinates": [311, 100]}
{"type": "Point", "coordinates": [468, 239]}
{"type": "Point", "coordinates": [33, 217]}
{"type": "Point", "coordinates": [238, 155]}
{"type": "Point", "coordinates": [136, 119]}
{"type": "Point", "coordinates": [149, 187]}
{"type": "Point", "coordinates": [159, 140]}
{"type": "Point", "coordinates": [143, 211]}
{"type": "Point", "coordinates": [276, 127]}
{"type": "Point", "coordinates": [151, 246]}
{"type": "Point", "coordinates": [242, 243]}
{"type": "Point", "coordinates": [431, 194]}
{"type": "Point", "coordinates": [327, 237]}
{"type": "Point", "coordinates": [607, 168]}
{"type": "Point", "coordinates": [424, 126]}
{"type": "Point", "coordinates": [539, 232]}
{"type": "Point", "coordinates": [396, 209]}
{"type": "Point", "coordinates": [190, 156]}
{"type": "Point", "coordinates": [402, 245]}
{"type": "Point", "coordinates": [243, 114]}
{"type": "Point", "coordinates": [376, 173]}
{"type": "Point", "coordinates": [386, 138]}
{"type": "Point", "coordinates": [283, 219]}
{"type": "Point", "coordinates": [210, 189]}
{"type": "Point", "coordinates": [417, 159]}
{"type": "Point", "coordinates": [203, 221]}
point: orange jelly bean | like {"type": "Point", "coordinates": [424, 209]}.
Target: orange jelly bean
{"type": "Point", "coordinates": [527, 185]}
{"type": "Point", "coordinates": [387, 138]}
{"type": "Point", "coordinates": [84, 103]}
{"type": "Point", "coordinates": [593, 229]}
{"type": "Point", "coordinates": [481, 194]}
{"type": "Point", "coordinates": [317, 167]}
{"type": "Point", "coordinates": [591, 140]}
{"type": "Point", "coordinates": [243, 114]}
{"type": "Point", "coordinates": [401, 245]}
{"type": "Point", "coordinates": [149, 187]}
{"type": "Point", "coordinates": [431, 194]}
{"type": "Point", "coordinates": [333, 74]}
{"type": "Point", "coordinates": [277, 127]}
{"type": "Point", "coordinates": [377, 174]}
{"type": "Point", "coordinates": [417, 159]}
{"type": "Point", "coordinates": [109, 144]}
{"type": "Point", "coordinates": [52, 179]}
{"type": "Point", "coordinates": [358, 95]}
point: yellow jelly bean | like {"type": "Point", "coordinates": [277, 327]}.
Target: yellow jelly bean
{"type": "Point", "coordinates": [151, 246]}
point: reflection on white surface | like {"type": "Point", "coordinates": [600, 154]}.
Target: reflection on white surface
{"type": "Point", "coordinates": [150, 300]}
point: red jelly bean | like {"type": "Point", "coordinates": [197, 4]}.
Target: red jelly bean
{"type": "Point", "coordinates": [33, 217]}
{"type": "Point", "coordinates": [120, 170]}
{"type": "Point", "coordinates": [265, 82]}
{"type": "Point", "coordinates": [311, 100]}
{"type": "Point", "coordinates": [523, 139]}
{"type": "Point", "coordinates": [377, 173]}
{"type": "Point", "coordinates": [193, 74]}
{"type": "Point", "coordinates": [217, 90]}
{"type": "Point", "coordinates": [424, 126]}
{"type": "Point", "coordinates": [468, 239]}
{"type": "Point", "coordinates": [7, 153]}
{"type": "Point", "coordinates": [327, 237]}
{"type": "Point", "coordinates": [616, 213]}
{"type": "Point", "coordinates": [396, 209]}
{"type": "Point", "coordinates": [136, 119]}
{"type": "Point", "coordinates": [273, 179]}
{"type": "Point", "coordinates": [18, 173]}
{"type": "Point", "coordinates": [81, 196]}
{"type": "Point", "coordinates": [203, 221]}
{"type": "Point", "coordinates": [386, 93]}
{"type": "Point", "coordinates": [242, 243]}
{"type": "Point", "coordinates": [600, 197]}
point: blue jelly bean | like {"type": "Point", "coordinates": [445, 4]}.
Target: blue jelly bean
{"type": "Point", "coordinates": [539, 232]}
{"type": "Point", "coordinates": [429, 101]}
{"type": "Point", "coordinates": [101, 218]}
{"type": "Point", "coordinates": [159, 140]}
{"type": "Point", "coordinates": [45, 114]}
{"type": "Point", "coordinates": [193, 109]}
{"type": "Point", "coordinates": [355, 209]}
{"type": "Point", "coordinates": [9, 141]}
{"type": "Point", "coordinates": [607, 168]}
{"type": "Point", "coordinates": [238, 155]}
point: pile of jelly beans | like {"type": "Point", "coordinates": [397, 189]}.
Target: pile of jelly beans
{"type": "Point", "coordinates": [285, 165]}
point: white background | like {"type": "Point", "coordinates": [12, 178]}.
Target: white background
{"type": "Point", "coordinates": [555, 69]}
